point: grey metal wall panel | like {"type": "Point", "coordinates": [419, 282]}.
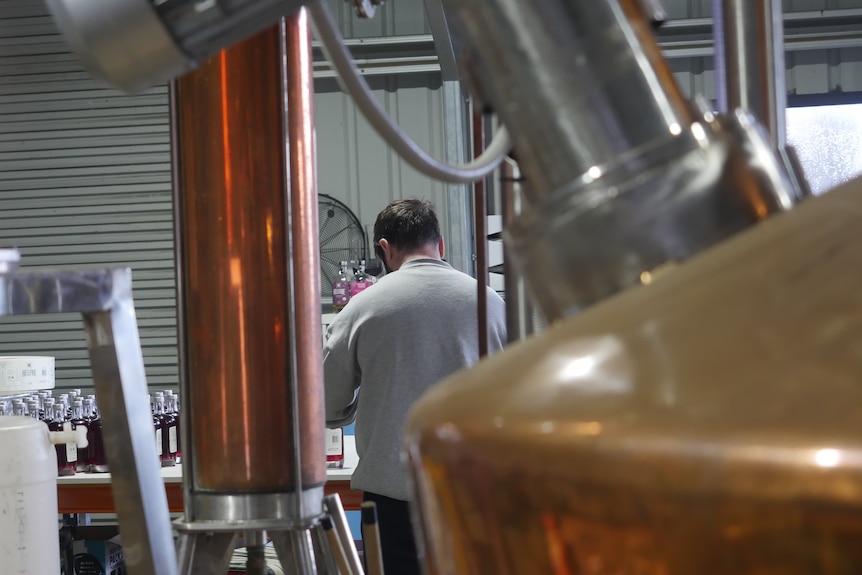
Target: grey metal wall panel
{"type": "Point", "coordinates": [825, 71]}
{"type": "Point", "coordinates": [359, 169]}
{"type": "Point", "coordinates": [703, 8]}
{"type": "Point", "coordinates": [808, 72]}
{"type": "Point", "coordinates": [393, 18]}
{"type": "Point", "coordinates": [819, 70]}
{"type": "Point", "coordinates": [84, 181]}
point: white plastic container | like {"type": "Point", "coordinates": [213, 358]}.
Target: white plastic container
{"type": "Point", "coordinates": [29, 540]}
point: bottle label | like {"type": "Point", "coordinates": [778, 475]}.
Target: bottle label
{"type": "Point", "coordinates": [71, 448]}
{"type": "Point", "coordinates": [357, 287]}
{"type": "Point", "coordinates": [334, 442]}
{"type": "Point", "coordinates": [158, 442]}
{"type": "Point", "coordinates": [172, 439]}
{"type": "Point", "coordinates": [340, 293]}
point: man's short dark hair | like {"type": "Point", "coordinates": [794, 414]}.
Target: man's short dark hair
{"type": "Point", "coordinates": [407, 224]}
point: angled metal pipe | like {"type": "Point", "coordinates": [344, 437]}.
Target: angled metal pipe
{"type": "Point", "coordinates": [623, 174]}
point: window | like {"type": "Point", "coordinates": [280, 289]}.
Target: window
{"type": "Point", "coordinates": [828, 141]}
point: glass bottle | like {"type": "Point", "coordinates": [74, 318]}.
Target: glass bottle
{"type": "Point", "coordinates": [361, 280]}
{"type": "Point", "coordinates": [341, 288]}
{"type": "Point", "coordinates": [97, 462]}
{"type": "Point", "coordinates": [62, 400]}
{"type": "Point", "coordinates": [33, 410]}
{"type": "Point", "coordinates": [168, 453]}
{"type": "Point", "coordinates": [73, 395]}
{"type": "Point", "coordinates": [77, 418]}
{"type": "Point", "coordinates": [67, 453]}
{"type": "Point", "coordinates": [174, 408]}
{"type": "Point", "coordinates": [157, 426]}
{"type": "Point", "coordinates": [41, 397]}
{"type": "Point", "coordinates": [18, 409]}
{"type": "Point", "coordinates": [335, 448]}
{"type": "Point", "coordinates": [47, 412]}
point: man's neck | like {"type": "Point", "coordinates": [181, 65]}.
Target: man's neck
{"type": "Point", "coordinates": [420, 256]}
{"type": "Point", "coordinates": [428, 252]}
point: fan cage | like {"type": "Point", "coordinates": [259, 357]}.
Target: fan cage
{"type": "Point", "coordinates": [342, 238]}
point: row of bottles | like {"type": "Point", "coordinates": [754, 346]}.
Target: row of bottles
{"type": "Point", "coordinates": [66, 413]}
{"type": "Point", "coordinates": [70, 410]}
{"type": "Point", "coordinates": [165, 406]}
{"type": "Point", "coordinates": [351, 280]}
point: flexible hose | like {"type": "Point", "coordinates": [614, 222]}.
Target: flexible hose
{"type": "Point", "coordinates": [354, 84]}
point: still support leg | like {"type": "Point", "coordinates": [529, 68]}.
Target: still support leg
{"type": "Point", "coordinates": [205, 553]}
{"type": "Point", "coordinates": [255, 546]}
{"type": "Point", "coordinates": [326, 560]}
{"type": "Point", "coordinates": [136, 481]}
{"type": "Point", "coordinates": [295, 550]}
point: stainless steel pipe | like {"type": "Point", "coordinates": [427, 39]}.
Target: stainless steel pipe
{"type": "Point", "coordinates": [480, 231]}
{"type": "Point", "coordinates": [623, 175]}
{"type": "Point", "coordinates": [750, 70]}
{"type": "Point", "coordinates": [577, 84]}
{"type": "Point", "coordinates": [519, 304]}
{"type": "Point", "coordinates": [749, 61]}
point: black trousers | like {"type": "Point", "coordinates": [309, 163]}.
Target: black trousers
{"type": "Point", "coordinates": [396, 536]}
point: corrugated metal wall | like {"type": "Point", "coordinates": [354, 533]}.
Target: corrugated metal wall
{"type": "Point", "coordinates": [84, 171]}
{"type": "Point", "coordinates": [678, 9]}
{"type": "Point", "coordinates": [85, 174]}
{"type": "Point", "coordinates": [84, 181]}
{"type": "Point", "coordinates": [394, 18]}
{"type": "Point", "coordinates": [809, 71]}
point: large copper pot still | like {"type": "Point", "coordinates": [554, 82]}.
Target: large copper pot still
{"type": "Point", "coordinates": [706, 421]}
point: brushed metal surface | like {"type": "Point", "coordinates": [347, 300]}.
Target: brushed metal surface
{"type": "Point", "coordinates": [577, 84]}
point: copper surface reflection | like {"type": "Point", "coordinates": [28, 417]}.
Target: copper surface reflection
{"type": "Point", "coordinates": [305, 248]}
{"type": "Point", "coordinates": [734, 449]}
{"type": "Point", "coordinates": [233, 191]}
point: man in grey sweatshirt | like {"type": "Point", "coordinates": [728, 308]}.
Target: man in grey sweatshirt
{"type": "Point", "coordinates": [391, 343]}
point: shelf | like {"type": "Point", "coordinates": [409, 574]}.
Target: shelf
{"type": "Point", "coordinates": [91, 492]}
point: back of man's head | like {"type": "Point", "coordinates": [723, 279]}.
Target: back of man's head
{"type": "Point", "coordinates": [407, 224]}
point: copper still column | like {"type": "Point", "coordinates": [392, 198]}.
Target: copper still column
{"type": "Point", "coordinates": [250, 293]}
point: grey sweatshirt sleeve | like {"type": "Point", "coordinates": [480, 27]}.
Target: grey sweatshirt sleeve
{"type": "Point", "coordinates": [341, 375]}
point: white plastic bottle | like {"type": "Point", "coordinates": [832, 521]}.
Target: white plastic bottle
{"type": "Point", "coordinates": [28, 498]}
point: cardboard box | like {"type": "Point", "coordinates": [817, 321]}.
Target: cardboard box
{"type": "Point", "coordinates": [97, 550]}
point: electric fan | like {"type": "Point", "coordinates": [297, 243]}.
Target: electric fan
{"type": "Point", "coordinates": [342, 238]}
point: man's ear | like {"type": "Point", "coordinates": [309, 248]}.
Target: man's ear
{"type": "Point", "coordinates": [442, 248]}
{"type": "Point", "coordinates": [384, 245]}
